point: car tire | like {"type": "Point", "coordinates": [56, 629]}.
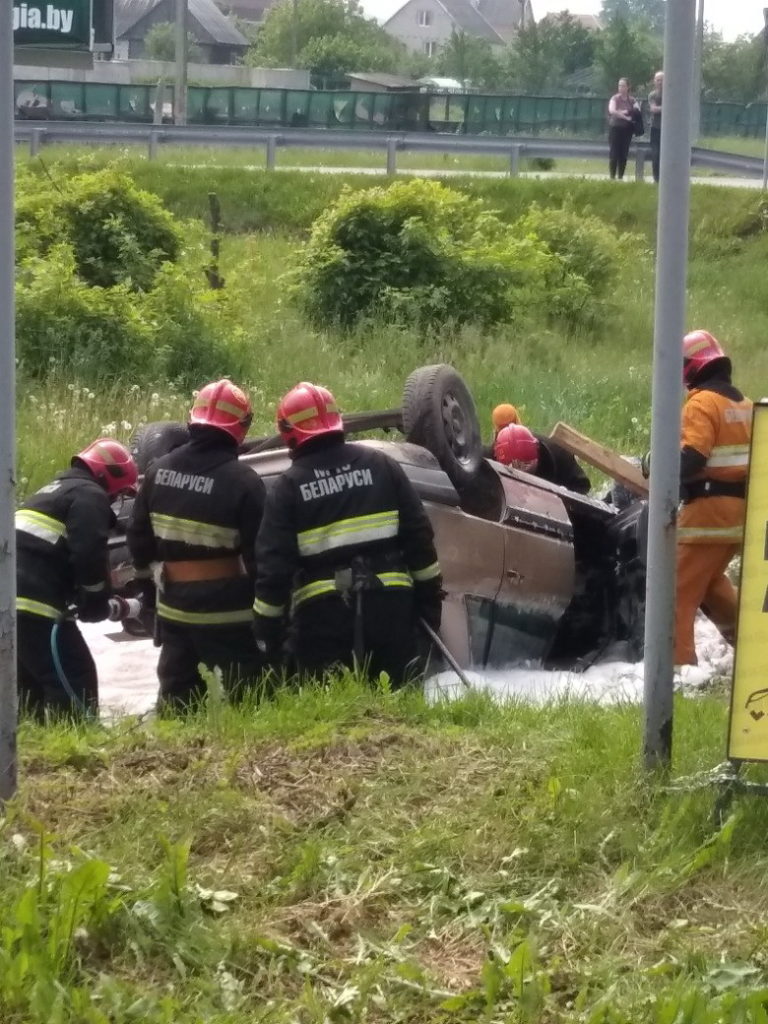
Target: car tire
{"type": "Point", "coordinates": [439, 414]}
{"type": "Point", "coordinates": [150, 441]}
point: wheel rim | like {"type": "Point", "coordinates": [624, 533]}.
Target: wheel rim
{"type": "Point", "coordinates": [456, 428]}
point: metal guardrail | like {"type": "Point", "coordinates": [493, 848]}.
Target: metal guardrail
{"type": "Point", "coordinates": [513, 148]}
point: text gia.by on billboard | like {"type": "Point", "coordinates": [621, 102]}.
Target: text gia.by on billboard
{"type": "Point", "coordinates": [69, 24]}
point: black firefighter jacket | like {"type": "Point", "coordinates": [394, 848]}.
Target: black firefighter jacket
{"type": "Point", "coordinates": [339, 500]}
{"type": "Point", "coordinates": [61, 535]}
{"type": "Point", "coordinates": [199, 502]}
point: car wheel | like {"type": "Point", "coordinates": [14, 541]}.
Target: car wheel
{"type": "Point", "coordinates": [439, 414]}
{"type": "Point", "coordinates": [150, 441]}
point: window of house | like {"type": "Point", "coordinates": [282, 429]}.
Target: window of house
{"type": "Point", "coordinates": [430, 48]}
{"type": "Point", "coordinates": [424, 18]}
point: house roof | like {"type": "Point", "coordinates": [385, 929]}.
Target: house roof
{"type": "Point", "coordinates": [465, 16]}
{"type": "Point", "coordinates": [380, 78]}
{"type": "Point", "coordinates": [246, 10]}
{"type": "Point", "coordinates": [591, 22]}
{"type": "Point", "coordinates": [128, 14]}
{"type": "Point", "coordinates": [506, 15]}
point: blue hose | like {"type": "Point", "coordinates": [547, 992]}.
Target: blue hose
{"type": "Point", "coordinates": [76, 702]}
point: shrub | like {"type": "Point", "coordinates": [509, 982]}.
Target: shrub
{"type": "Point", "coordinates": [118, 233]}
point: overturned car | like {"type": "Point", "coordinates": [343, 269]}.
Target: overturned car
{"type": "Point", "coordinates": [532, 571]}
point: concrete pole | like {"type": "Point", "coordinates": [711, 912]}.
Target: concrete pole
{"type": "Point", "coordinates": [669, 328]}
{"type": "Point", "coordinates": [180, 85]}
{"type": "Point", "coordinates": [8, 699]}
{"type": "Point", "coordinates": [295, 33]}
{"type": "Point", "coordinates": [697, 76]}
{"type": "Point", "coordinates": [765, 154]}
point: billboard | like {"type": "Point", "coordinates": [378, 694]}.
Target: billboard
{"type": "Point", "coordinates": [748, 729]}
{"type": "Point", "coordinates": [63, 23]}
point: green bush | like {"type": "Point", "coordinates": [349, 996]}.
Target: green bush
{"type": "Point", "coordinates": [118, 233]}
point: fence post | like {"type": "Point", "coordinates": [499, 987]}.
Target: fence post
{"type": "Point", "coordinates": [640, 164]}
{"type": "Point", "coordinates": [271, 152]}
{"type": "Point", "coordinates": [514, 162]}
{"type": "Point", "coordinates": [154, 140]}
{"type": "Point", "coordinates": [36, 140]}
{"type": "Point", "coordinates": [391, 156]}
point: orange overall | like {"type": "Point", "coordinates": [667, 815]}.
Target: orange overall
{"type": "Point", "coordinates": [710, 526]}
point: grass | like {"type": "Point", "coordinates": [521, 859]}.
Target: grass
{"type": "Point", "coordinates": [343, 853]}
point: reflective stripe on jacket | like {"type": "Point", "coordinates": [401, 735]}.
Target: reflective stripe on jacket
{"type": "Point", "coordinates": [717, 422]}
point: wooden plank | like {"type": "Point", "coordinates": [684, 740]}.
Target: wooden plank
{"type": "Point", "coordinates": [602, 458]}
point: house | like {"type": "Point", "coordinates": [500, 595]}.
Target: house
{"type": "Point", "coordinates": [250, 11]}
{"type": "Point", "coordinates": [378, 81]}
{"type": "Point", "coordinates": [507, 16]}
{"type": "Point", "coordinates": [426, 25]}
{"type": "Point", "coordinates": [219, 41]}
{"type": "Point", "coordinates": [591, 22]}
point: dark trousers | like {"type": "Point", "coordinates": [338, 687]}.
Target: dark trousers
{"type": "Point", "coordinates": [619, 141]}
{"type": "Point", "coordinates": [230, 648]}
{"type": "Point", "coordinates": [40, 686]}
{"type": "Point", "coordinates": [324, 635]}
{"type": "Point", "coordinates": [655, 151]}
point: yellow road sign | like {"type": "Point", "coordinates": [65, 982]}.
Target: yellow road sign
{"type": "Point", "coordinates": [748, 728]}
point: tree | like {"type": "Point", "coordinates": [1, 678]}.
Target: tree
{"type": "Point", "coordinates": [329, 37]}
{"type": "Point", "coordinates": [470, 60]}
{"type": "Point", "coordinates": [544, 54]}
{"type": "Point", "coordinates": [628, 50]}
{"type": "Point", "coordinates": [160, 43]}
{"type": "Point", "coordinates": [648, 12]}
{"type": "Point", "coordinates": [733, 71]}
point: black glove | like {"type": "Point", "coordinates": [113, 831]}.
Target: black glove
{"type": "Point", "coordinates": [429, 605]}
{"type": "Point", "coordinates": [147, 593]}
{"type": "Point", "coordinates": [269, 638]}
{"type": "Point", "coordinates": [645, 465]}
{"type": "Point", "coordinates": [92, 607]}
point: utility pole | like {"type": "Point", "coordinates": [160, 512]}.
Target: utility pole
{"type": "Point", "coordinates": [180, 86]}
{"type": "Point", "coordinates": [698, 75]}
{"type": "Point", "coordinates": [294, 33]}
{"type": "Point", "coordinates": [765, 68]}
{"type": "Point", "coordinates": [669, 328]}
{"type": "Point", "coordinates": [8, 698]}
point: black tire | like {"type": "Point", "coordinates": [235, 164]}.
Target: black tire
{"type": "Point", "coordinates": [152, 440]}
{"type": "Point", "coordinates": [439, 414]}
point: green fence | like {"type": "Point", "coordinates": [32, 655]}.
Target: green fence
{"type": "Point", "coordinates": [460, 113]}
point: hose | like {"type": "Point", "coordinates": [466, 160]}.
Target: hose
{"type": "Point", "coordinates": [76, 702]}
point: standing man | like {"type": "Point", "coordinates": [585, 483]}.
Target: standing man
{"type": "Point", "coordinates": [198, 512]}
{"type": "Point", "coordinates": [345, 539]}
{"type": "Point", "coordinates": [654, 105]}
{"type": "Point", "coordinates": [63, 560]}
{"type": "Point", "coordinates": [520, 448]}
{"type": "Point", "coordinates": [713, 468]}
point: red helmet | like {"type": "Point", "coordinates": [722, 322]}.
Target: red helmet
{"type": "Point", "coordinates": [307, 411]}
{"type": "Point", "coordinates": [112, 465]}
{"type": "Point", "coordinates": [516, 446]}
{"type": "Point", "coordinates": [225, 406]}
{"type": "Point", "coordinates": [700, 348]}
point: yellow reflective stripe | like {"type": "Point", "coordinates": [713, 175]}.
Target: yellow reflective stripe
{"type": "Point", "coordinates": [269, 611]}
{"type": "Point", "coordinates": [715, 532]}
{"type": "Point", "coordinates": [729, 455]}
{"type": "Point", "coordinates": [321, 587]}
{"type": "Point", "coordinates": [204, 618]}
{"type": "Point", "coordinates": [364, 529]}
{"type": "Point", "coordinates": [427, 573]}
{"type": "Point", "coordinates": [39, 525]}
{"type": "Point", "coordinates": [221, 406]}
{"type": "Point", "coordinates": [305, 414]}
{"type": "Point", "coordinates": [47, 611]}
{"type": "Point", "coordinates": [691, 350]}
{"type": "Point", "coordinates": [94, 588]}
{"type": "Point", "coordinates": [395, 579]}
{"type": "Point", "coordinates": [189, 531]}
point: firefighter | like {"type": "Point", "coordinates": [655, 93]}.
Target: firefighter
{"type": "Point", "coordinates": [63, 561]}
{"type": "Point", "coordinates": [518, 447]}
{"type": "Point", "coordinates": [501, 417]}
{"type": "Point", "coordinates": [714, 460]}
{"type": "Point", "coordinates": [346, 541]}
{"type": "Point", "coordinates": [197, 513]}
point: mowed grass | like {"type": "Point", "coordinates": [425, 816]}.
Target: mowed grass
{"type": "Point", "coordinates": [346, 854]}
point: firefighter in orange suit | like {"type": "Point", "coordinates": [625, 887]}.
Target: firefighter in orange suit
{"type": "Point", "coordinates": [713, 471]}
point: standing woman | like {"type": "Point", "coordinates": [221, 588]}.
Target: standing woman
{"type": "Point", "coordinates": [621, 126]}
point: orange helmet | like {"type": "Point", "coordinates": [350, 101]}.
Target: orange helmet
{"type": "Point", "coordinates": [503, 415]}
{"type": "Point", "coordinates": [225, 406]}
{"type": "Point", "coordinates": [516, 446]}
{"type": "Point", "coordinates": [112, 465]}
{"type": "Point", "coordinates": [700, 348]}
{"type": "Point", "coordinates": [307, 411]}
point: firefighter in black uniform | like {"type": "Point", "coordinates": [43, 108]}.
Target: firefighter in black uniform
{"type": "Point", "coordinates": [345, 539]}
{"type": "Point", "coordinates": [517, 446]}
{"type": "Point", "coordinates": [198, 512]}
{"type": "Point", "coordinates": [63, 561]}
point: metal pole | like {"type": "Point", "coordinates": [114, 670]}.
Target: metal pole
{"type": "Point", "coordinates": [8, 698]}
{"type": "Point", "coordinates": [669, 328]}
{"type": "Point", "coordinates": [765, 155]}
{"type": "Point", "coordinates": [180, 85]}
{"type": "Point", "coordinates": [697, 76]}
{"type": "Point", "coordinates": [294, 33]}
